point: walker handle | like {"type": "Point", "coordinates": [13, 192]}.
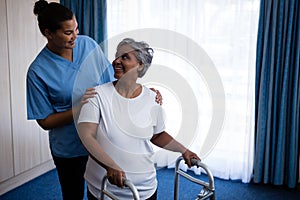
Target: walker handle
{"type": "Point", "coordinates": [126, 183]}
{"type": "Point", "coordinates": [195, 162]}
{"type": "Point", "coordinates": [133, 189]}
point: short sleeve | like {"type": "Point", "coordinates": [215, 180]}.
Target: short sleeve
{"type": "Point", "coordinates": [90, 112]}
{"type": "Point", "coordinates": [94, 70]}
{"type": "Point", "coordinates": [160, 120]}
{"type": "Point", "coordinates": [38, 102]}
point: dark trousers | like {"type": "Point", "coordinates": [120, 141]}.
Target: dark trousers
{"type": "Point", "coordinates": [91, 197]}
{"type": "Point", "coordinates": [70, 174]}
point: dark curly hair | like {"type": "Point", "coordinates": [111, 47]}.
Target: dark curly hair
{"type": "Point", "coordinates": [51, 15]}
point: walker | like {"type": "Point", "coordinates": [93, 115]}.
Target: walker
{"type": "Point", "coordinates": [208, 190]}
{"type": "Point", "coordinates": [126, 182]}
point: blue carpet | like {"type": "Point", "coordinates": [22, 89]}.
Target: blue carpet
{"type": "Point", "coordinates": [46, 187]}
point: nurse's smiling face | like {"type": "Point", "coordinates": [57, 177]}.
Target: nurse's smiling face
{"type": "Point", "coordinates": [64, 37]}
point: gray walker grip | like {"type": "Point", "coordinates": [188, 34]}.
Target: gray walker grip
{"type": "Point", "coordinates": [208, 190]}
{"type": "Point", "coordinates": [126, 182]}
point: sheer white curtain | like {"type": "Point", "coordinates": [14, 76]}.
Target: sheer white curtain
{"type": "Point", "coordinates": [226, 30]}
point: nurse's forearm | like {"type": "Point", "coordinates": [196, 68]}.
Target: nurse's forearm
{"type": "Point", "coordinates": [56, 120]}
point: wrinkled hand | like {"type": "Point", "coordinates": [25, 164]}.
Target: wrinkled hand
{"type": "Point", "coordinates": [188, 155]}
{"type": "Point", "coordinates": [116, 176]}
{"type": "Point", "coordinates": [158, 97]}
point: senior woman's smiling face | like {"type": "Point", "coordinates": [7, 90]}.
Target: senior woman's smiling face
{"type": "Point", "coordinates": [125, 61]}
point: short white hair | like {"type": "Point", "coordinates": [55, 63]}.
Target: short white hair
{"type": "Point", "coordinates": [144, 53]}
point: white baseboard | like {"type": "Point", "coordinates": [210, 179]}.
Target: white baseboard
{"type": "Point", "coordinates": [24, 177]}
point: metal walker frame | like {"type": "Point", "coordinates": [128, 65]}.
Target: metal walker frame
{"type": "Point", "coordinates": [126, 182]}
{"type": "Point", "coordinates": [208, 190]}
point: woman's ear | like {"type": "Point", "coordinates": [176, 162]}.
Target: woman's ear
{"type": "Point", "coordinates": [141, 67]}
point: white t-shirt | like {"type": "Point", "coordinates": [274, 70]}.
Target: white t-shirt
{"type": "Point", "coordinates": [124, 132]}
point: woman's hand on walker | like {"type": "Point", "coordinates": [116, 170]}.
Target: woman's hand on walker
{"type": "Point", "coordinates": [188, 155]}
{"type": "Point", "coordinates": [116, 176]}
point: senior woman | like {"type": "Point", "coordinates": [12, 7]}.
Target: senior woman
{"type": "Point", "coordinates": [119, 124]}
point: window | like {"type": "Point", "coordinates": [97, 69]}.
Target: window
{"type": "Point", "coordinates": [222, 32]}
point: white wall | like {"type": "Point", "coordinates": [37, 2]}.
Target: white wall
{"type": "Point", "coordinates": [5, 116]}
{"type": "Point", "coordinates": [24, 149]}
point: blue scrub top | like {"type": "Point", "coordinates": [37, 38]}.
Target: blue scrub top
{"type": "Point", "coordinates": [54, 84]}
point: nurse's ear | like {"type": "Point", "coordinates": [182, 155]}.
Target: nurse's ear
{"type": "Point", "coordinates": [48, 34]}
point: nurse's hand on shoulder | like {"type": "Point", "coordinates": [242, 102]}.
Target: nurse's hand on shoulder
{"type": "Point", "coordinates": [158, 97]}
{"type": "Point", "coordinates": [89, 93]}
